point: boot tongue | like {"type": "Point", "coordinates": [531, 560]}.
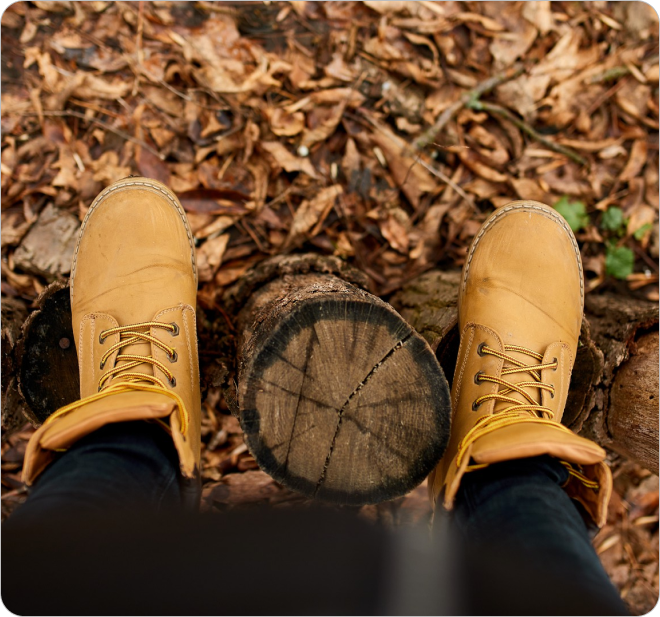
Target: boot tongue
{"type": "Point", "coordinates": [535, 393]}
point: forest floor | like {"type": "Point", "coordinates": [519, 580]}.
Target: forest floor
{"type": "Point", "coordinates": [380, 132]}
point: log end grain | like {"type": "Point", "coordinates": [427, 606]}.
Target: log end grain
{"type": "Point", "coordinates": [340, 399]}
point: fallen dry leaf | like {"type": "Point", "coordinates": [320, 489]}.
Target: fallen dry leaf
{"type": "Point", "coordinates": [209, 257]}
{"type": "Point", "coordinates": [286, 160]}
{"type": "Point", "coordinates": [312, 212]}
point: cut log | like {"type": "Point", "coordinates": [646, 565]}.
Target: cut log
{"type": "Point", "coordinates": [48, 365]}
{"type": "Point", "coordinates": [633, 416]}
{"type": "Point", "coordinates": [13, 316]}
{"type": "Point", "coordinates": [338, 397]}
{"type": "Point", "coordinates": [614, 385]}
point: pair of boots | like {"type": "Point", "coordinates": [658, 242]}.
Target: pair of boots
{"type": "Point", "coordinates": [133, 293]}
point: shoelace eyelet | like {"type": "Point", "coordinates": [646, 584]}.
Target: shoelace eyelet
{"type": "Point", "coordinates": [101, 339]}
{"type": "Point", "coordinates": [552, 394]}
{"type": "Point", "coordinates": [480, 349]}
{"type": "Point", "coordinates": [475, 406]}
{"type": "Point", "coordinates": [555, 361]}
{"type": "Point", "coordinates": [173, 382]}
{"type": "Point", "coordinates": [175, 332]}
{"type": "Point", "coordinates": [102, 365]}
{"type": "Point", "coordinates": [477, 379]}
{"type": "Point", "coordinates": [174, 357]}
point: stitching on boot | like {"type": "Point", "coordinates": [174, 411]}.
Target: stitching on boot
{"type": "Point", "coordinates": [459, 381]}
{"type": "Point", "coordinates": [549, 214]}
{"type": "Point", "coordinates": [190, 355]}
{"type": "Point", "coordinates": [99, 199]}
{"type": "Point", "coordinates": [184, 308]}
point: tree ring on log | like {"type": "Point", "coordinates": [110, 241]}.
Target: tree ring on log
{"type": "Point", "coordinates": [339, 398]}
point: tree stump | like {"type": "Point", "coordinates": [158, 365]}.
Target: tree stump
{"type": "Point", "coordinates": [13, 316]}
{"type": "Point", "coordinates": [614, 385]}
{"type": "Point", "coordinates": [339, 397]}
{"type": "Point", "coordinates": [633, 417]}
{"type": "Point", "coordinates": [48, 375]}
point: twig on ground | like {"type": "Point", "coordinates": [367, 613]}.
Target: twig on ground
{"type": "Point", "coordinates": [484, 87]}
{"type": "Point", "coordinates": [447, 180]}
{"type": "Point", "coordinates": [409, 151]}
{"type": "Point", "coordinates": [523, 126]}
{"type": "Point", "coordinates": [112, 129]}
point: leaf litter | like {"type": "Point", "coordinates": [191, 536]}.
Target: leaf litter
{"type": "Point", "coordinates": [380, 132]}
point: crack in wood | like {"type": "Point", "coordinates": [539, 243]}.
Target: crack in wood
{"type": "Point", "coordinates": [364, 430]}
{"type": "Point", "coordinates": [359, 387]}
{"type": "Point", "coordinates": [291, 364]}
{"type": "Point", "coordinates": [296, 394]}
{"type": "Point", "coordinates": [313, 337]}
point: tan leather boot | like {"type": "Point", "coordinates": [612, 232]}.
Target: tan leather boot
{"type": "Point", "coordinates": [133, 294]}
{"type": "Point", "coordinates": [520, 311]}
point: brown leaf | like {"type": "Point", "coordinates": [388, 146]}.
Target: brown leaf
{"type": "Point", "coordinates": [150, 166]}
{"type": "Point", "coordinates": [636, 161]}
{"type": "Point", "coordinates": [540, 15]}
{"type": "Point", "coordinates": [506, 49]}
{"type": "Point", "coordinates": [527, 188]}
{"type": "Point", "coordinates": [12, 233]}
{"type": "Point", "coordinates": [639, 216]}
{"type": "Point", "coordinates": [209, 257]}
{"type": "Point", "coordinates": [410, 176]}
{"type": "Point", "coordinates": [349, 96]}
{"type": "Point", "coordinates": [312, 212]}
{"type": "Point", "coordinates": [395, 233]}
{"type": "Point", "coordinates": [325, 128]}
{"type": "Point", "coordinates": [164, 100]}
{"type": "Point", "coordinates": [350, 163]}
{"type": "Point", "coordinates": [486, 22]}
{"type": "Point", "coordinates": [94, 87]}
{"type": "Point", "coordinates": [230, 272]}
{"type": "Point", "coordinates": [107, 169]}
{"type": "Point", "coordinates": [220, 224]}
{"type": "Point", "coordinates": [287, 124]}
{"type": "Point", "coordinates": [214, 201]}
{"type": "Point", "coordinates": [472, 162]}
{"type": "Point", "coordinates": [68, 170]}
{"type": "Point", "coordinates": [286, 160]}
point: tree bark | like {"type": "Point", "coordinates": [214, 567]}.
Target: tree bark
{"type": "Point", "coordinates": [338, 397]}
{"type": "Point", "coordinates": [614, 385]}
{"type": "Point", "coordinates": [13, 316]}
{"type": "Point", "coordinates": [633, 415]}
{"type": "Point", "coordinates": [47, 374]}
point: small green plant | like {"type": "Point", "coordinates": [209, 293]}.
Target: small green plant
{"type": "Point", "coordinates": [613, 220]}
{"type": "Point", "coordinates": [574, 212]}
{"type": "Point", "coordinates": [619, 261]}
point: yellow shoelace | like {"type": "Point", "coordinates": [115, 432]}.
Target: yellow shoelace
{"type": "Point", "coordinates": [129, 335]}
{"type": "Point", "coordinates": [528, 411]}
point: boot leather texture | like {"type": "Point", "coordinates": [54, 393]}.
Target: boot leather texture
{"type": "Point", "coordinates": [522, 285]}
{"type": "Point", "coordinates": [134, 263]}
